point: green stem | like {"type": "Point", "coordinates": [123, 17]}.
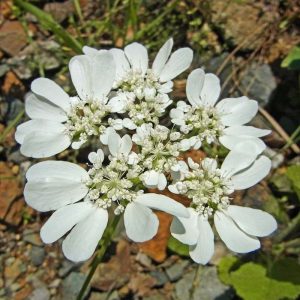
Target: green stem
{"type": "Point", "coordinates": [293, 226]}
{"type": "Point", "coordinates": [104, 243]}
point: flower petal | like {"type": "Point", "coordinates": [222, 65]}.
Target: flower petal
{"type": "Point", "coordinates": [231, 141]}
{"type": "Point", "coordinates": [162, 57]}
{"type": "Point", "coordinates": [122, 64]}
{"type": "Point", "coordinates": [202, 252]}
{"type": "Point", "coordinates": [117, 104]}
{"type": "Point", "coordinates": [194, 85]}
{"type": "Point", "coordinates": [39, 144]}
{"type": "Point", "coordinates": [211, 90]}
{"type": "Point", "coordinates": [163, 203]}
{"type": "Point", "coordinates": [47, 170]}
{"type": "Point", "coordinates": [62, 220]}
{"type": "Point", "coordinates": [162, 182]}
{"type": "Point", "coordinates": [82, 241]}
{"type": "Point", "coordinates": [93, 76]}
{"type": "Point", "coordinates": [246, 131]}
{"type": "Point", "coordinates": [140, 222]}
{"type": "Point", "coordinates": [39, 108]}
{"type": "Point", "coordinates": [234, 238]}
{"type": "Point", "coordinates": [253, 221]}
{"type": "Point", "coordinates": [126, 145]}
{"type": "Point", "coordinates": [237, 111]}
{"type": "Point", "coordinates": [89, 50]}
{"type": "Point", "coordinates": [255, 173]}
{"type": "Point", "coordinates": [138, 56]}
{"type": "Point", "coordinates": [52, 92]}
{"type": "Point", "coordinates": [185, 230]}
{"type": "Point", "coordinates": [179, 61]}
{"type": "Point", "coordinates": [114, 143]}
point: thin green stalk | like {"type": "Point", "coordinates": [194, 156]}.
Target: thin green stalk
{"type": "Point", "coordinates": [292, 138]}
{"type": "Point", "coordinates": [78, 10]}
{"type": "Point", "coordinates": [104, 243]}
{"type": "Point", "coordinates": [11, 125]}
{"type": "Point", "coordinates": [293, 226]}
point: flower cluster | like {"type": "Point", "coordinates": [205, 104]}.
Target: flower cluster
{"type": "Point", "coordinates": [126, 105]}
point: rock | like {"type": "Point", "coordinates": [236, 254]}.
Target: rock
{"type": "Point", "coordinates": [16, 157]}
{"type": "Point", "coordinates": [12, 37]}
{"type": "Point", "coordinates": [14, 267]}
{"type": "Point", "coordinates": [32, 237]}
{"type": "Point", "coordinates": [40, 293]}
{"type": "Point", "coordinates": [144, 260]}
{"type": "Point", "coordinates": [160, 277]}
{"type": "Point", "coordinates": [67, 267]}
{"type": "Point", "coordinates": [59, 11]}
{"type": "Point", "coordinates": [205, 286]}
{"type": "Point", "coordinates": [208, 286]}
{"type": "Point", "coordinates": [12, 107]}
{"type": "Point", "coordinates": [155, 296]}
{"type": "Point", "coordinates": [37, 255]}
{"type": "Point", "coordinates": [175, 271]}
{"type": "Point", "coordinates": [277, 158]}
{"type": "Point", "coordinates": [71, 285]}
{"type": "Point", "coordinates": [238, 20]}
{"type": "Point", "coordinates": [3, 69]}
{"type": "Point", "coordinates": [260, 83]}
{"type": "Point", "coordinates": [104, 296]}
{"type": "Point", "coordinates": [141, 284]}
{"type": "Point", "coordinates": [10, 191]}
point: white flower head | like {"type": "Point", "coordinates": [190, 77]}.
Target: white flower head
{"type": "Point", "coordinates": [58, 120]}
{"type": "Point", "coordinates": [209, 189]}
{"type": "Point", "coordinates": [207, 121]}
{"type": "Point", "coordinates": [59, 186]}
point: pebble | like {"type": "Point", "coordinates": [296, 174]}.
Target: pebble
{"type": "Point", "coordinates": [37, 255]}
{"type": "Point", "coordinates": [160, 277]}
{"type": "Point", "coordinates": [32, 237]}
{"type": "Point", "coordinates": [40, 293]}
{"type": "Point", "coordinates": [71, 285]}
{"type": "Point", "coordinates": [175, 271]}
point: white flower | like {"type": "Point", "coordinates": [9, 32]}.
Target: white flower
{"type": "Point", "coordinates": [135, 80]}
{"type": "Point", "coordinates": [209, 121]}
{"type": "Point", "coordinates": [96, 158]}
{"type": "Point", "coordinates": [153, 179]}
{"type": "Point", "coordinates": [58, 120]}
{"type": "Point", "coordinates": [209, 188]}
{"type": "Point", "coordinates": [57, 185]}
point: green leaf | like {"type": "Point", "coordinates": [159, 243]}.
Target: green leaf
{"type": "Point", "coordinates": [293, 173]}
{"type": "Point", "coordinates": [225, 266]}
{"type": "Point", "coordinates": [50, 24]}
{"type": "Point", "coordinates": [177, 247]}
{"type": "Point", "coordinates": [292, 61]}
{"type": "Point", "coordinates": [252, 282]}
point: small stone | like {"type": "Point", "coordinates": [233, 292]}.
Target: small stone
{"type": "Point", "coordinates": [12, 270]}
{"type": "Point", "coordinates": [32, 237]}
{"type": "Point", "coordinates": [16, 157]}
{"type": "Point", "coordinates": [3, 69]}
{"type": "Point", "coordinates": [55, 283]}
{"type": "Point", "coordinates": [40, 293]}
{"type": "Point", "coordinates": [72, 284]}
{"type": "Point", "coordinates": [160, 277]}
{"type": "Point", "coordinates": [67, 267]}
{"type": "Point", "coordinates": [175, 271]}
{"type": "Point", "coordinates": [143, 259]}
{"type": "Point", "coordinates": [37, 255]}
{"type": "Point", "coordinates": [183, 286]}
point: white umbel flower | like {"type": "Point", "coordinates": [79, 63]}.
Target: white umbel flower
{"type": "Point", "coordinates": [209, 188]}
{"type": "Point", "coordinates": [58, 120]}
{"type": "Point", "coordinates": [59, 186]}
{"type": "Point", "coordinates": [142, 91]}
{"type": "Point", "coordinates": [207, 121]}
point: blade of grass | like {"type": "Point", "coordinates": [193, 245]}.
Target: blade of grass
{"type": "Point", "coordinates": [78, 10]}
{"type": "Point", "coordinates": [50, 24]}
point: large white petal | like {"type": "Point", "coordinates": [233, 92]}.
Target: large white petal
{"type": "Point", "coordinates": [253, 221]}
{"type": "Point", "coordinates": [202, 252]}
{"type": "Point", "coordinates": [93, 76]}
{"type": "Point", "coordinates": [89, 50]}
{"type": "Point", "coordinates": [62, 220]}
{"type": "Point", "coordinates": [237, 111]}
{"type": "Point", "coordinates": [82, 241]}
{"type": "Point", "coordinates": [122, 64]}
{"type": "Point", "coordinates": [50, 195]}
{"type": "Point", "coordinates": [186, 230]}
{"type": "Point", "coordinates": [236, 161]}
{"type": "Point", "coordinates": [39, 108]}
{"type": "Point", "coordinates": [255, 173]}
{"type": "Point", "coordinates": [231, 141]}
{"type": "Point", "coordinates": [194, 85]}
{"type": "Point", "coordinates": [211, 90]}
{"type": "Point", "coordinates": [179, 61]}
{"type": "Point", "coordinates": [28, 127]}
{"type": "Point", "coordinates": [162, 57]}
{"type": "Point", "coordinates": [140, 222]}
{"type": "Point", "coordinates": [234, 238]}
{"type": "Point", "coordinates": [39, 145]}
{"type": "Point", "coordinates": [246, 131]}
{"type": "Point", "coordinates": [164, 203]}
{"type": "Point", "coordinates": [48, 89]}
{"type": "Point", "coordinates": [47, 170]}
{"type": "Point", "coordinates": [138, 56]}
